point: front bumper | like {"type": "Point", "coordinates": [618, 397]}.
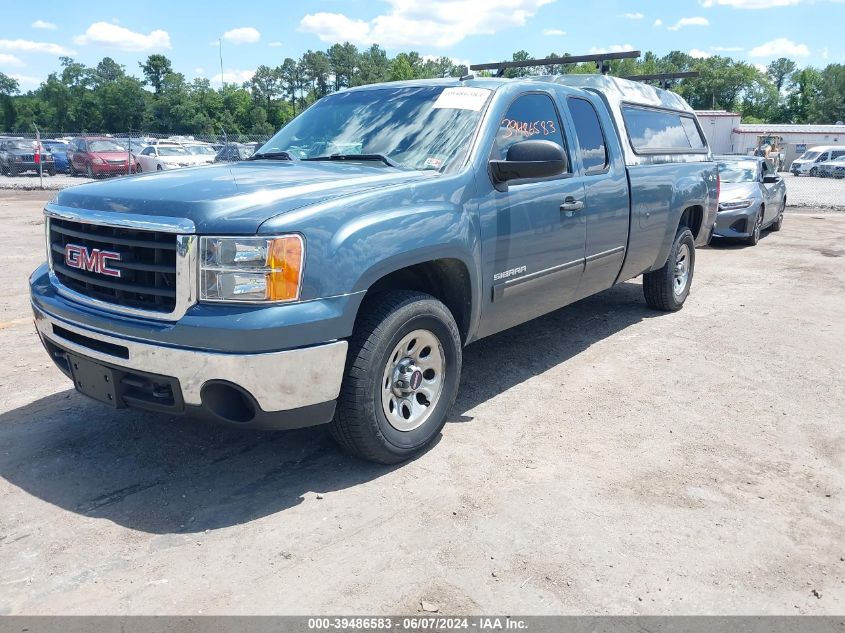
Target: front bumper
{"type": "Point", "coordinates": [111, 169]}
{"type": "Point", "coordinates": [284, 389]}
{"type": "Point", "coordinates": [737, 223]}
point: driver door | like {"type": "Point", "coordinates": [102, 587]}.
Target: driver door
{"type": "Point", "coordinates": [533, 230]}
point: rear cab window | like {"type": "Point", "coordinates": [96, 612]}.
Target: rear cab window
{"type": "Point", "coordinates": [653, 131]}
{"type": "Point", "coordinates": [588, 130]}
{"type": "Point", "coordinates": [531, 116]}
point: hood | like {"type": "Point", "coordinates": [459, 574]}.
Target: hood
{"type": "Point", "coordinates": [110, 155]}
{"type": "Point", "coordinates": [738, 191]}
{"type": "Point", "coordinates": [233, 197]}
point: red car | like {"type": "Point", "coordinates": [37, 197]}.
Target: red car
{"type": "Point", "coordinates": [96, 156]}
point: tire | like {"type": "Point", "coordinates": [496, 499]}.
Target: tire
{"type": "Point", "coordinates": [159, 168]}
{"type": "Point", "coordinates": [392, 334]}
{"type": "Point", "coordinates": [659, 286]}
{"type": "Point", "coordinates": [51, 171]}
{"type": "Point", "coordinates": [89, 171]}
{"type": "Point", "coordinates": [814, 171]}
{"type": "Point", "coordinates": [777, 225]}
{"type": "Point", "coordinates": [13, 170]}
{"type": "Point", "coordinates": [72, 170]}
{"type": "Point", "coordinates": [754, 236]}
{"type": "Point", "coordinates": [138, 168]}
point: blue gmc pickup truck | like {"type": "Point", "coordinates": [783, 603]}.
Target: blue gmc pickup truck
{"type": "Point", "coordinates": [336, 275]}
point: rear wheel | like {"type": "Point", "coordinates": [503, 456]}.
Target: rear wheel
{"type": "Point", "coordinates": [667, 288]}
{"type": "Point", "coordinates": [402, 375]}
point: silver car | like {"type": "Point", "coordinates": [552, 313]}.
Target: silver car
{"type": "Point", "coordinates": [832, 168]}
{"type": "Point", "coordinates": [752, 198]}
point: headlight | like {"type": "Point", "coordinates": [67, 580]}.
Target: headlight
{"type": "Point", "coordinates": [734, 205]}
{"type": "Point", "coordinates": [246, 269]}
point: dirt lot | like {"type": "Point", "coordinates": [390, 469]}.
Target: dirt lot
{"type": "Point", "coordinates": [602, 459]}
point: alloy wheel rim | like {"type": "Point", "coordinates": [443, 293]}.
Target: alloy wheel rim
{"type": "Point", "coordinates": [682, 268]}
{"type": "Point", "coordinates": [412, 381]}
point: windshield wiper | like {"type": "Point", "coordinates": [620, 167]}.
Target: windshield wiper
{"type": "Point", "coordinates": [368, 157]}
{"type": "Point", "coordinates": [273, 156]}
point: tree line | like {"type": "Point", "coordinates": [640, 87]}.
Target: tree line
{"type": "Point", "coordinates": [108, 98]}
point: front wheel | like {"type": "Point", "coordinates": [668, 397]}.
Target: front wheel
{"type": "Point", "coordinates": [402, 375]}
{"type": "Point", "coordinates": [666, 289]}
{"type": "Point", "coordinates": [754, 236]}
{"type": "Point", "coordinates": [777, 225]}
{"type": "Point", "coordinates": [89, 171]}
{"type": "Point", "coordinates": [814, 171]}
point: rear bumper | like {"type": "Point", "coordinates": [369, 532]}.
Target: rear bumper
{"type": "Point", "coordinates": [284, 389]}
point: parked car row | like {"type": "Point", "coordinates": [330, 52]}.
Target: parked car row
{"type": "Point", "coordinates": [99, 156]}
{"type": "Point", "coordinates": [825, 161]}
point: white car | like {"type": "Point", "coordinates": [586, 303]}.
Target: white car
{"type": "Point", "coordinates": [809, 161]}
{"type": "Point", "coordinates": [161, 157]}
{"type": "Point", "coordinates": [203, 152]}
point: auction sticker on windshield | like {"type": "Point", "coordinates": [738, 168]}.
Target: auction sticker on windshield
{"type": "Point", "coordinates": [462, 98]}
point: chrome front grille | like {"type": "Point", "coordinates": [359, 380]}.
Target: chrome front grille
{"type": "Point", "coordinates": [147, 264]}
{"type": "Point", "coordinates": [157, 264]}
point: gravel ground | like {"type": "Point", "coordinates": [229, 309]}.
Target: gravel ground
{"type": "Point", "coordinates": [604, 459]}
{"type": "Point", "coordinates": [802, 191]}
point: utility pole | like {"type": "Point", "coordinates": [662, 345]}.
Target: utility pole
{"type": "Point", "coordinates": [220, 45]}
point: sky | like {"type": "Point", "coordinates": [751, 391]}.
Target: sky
{"type": "Point", "coordinates": [253, 32]}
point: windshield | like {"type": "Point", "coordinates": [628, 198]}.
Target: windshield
{"type": "Point", "coordinates": [809, 155]}
{"type": "Point", "coordinates": [171, 151]}
{"type": "Point", "coordinates": [104, 146]}
{"type": "Point", "coordinates": [199, 150]}
{"type": "Point", "coordinates": [736, 171]}
{"type": "Point", "coordinates": [30, 145]}
{"type": "Point", "coordinates": [417, 128]}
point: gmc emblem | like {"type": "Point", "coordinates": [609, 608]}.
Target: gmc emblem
{"type": "Point", "coordinates": [93, 260]}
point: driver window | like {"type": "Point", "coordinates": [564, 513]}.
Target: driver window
{"type": "Point", "coordinates": [529, 117]}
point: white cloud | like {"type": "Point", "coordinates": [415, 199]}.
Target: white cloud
{"type": "Point", "coordinates": [233, 76]}
{"type": "Point", "coordinates": [276, 44]}
{"type": "Point", "coordinates": [41, 24]}
{"type": "Point", "coordinates": [26, 81]}
{"type": "Point", "coordinates": [695, 21]}
{"type": "Point", "coordinates": [121, 38]}
{"type": "Point", "coordinates": [613, 48]}
{"type": "Point", "coordinates": [437, 23]}
{"type": "Point", "coordinates": [633, 16]}
{"type": "Point", "coordinates": [658, 22]}
{"type": "Point", "coordinates": [728, 49]}
{"type": "Point", "coordinates": [761, 67]}
{"type": "Point", "coordinates": [199, 72]}
{"type": "Point", "coordinates": [553, 32]}
{"type": "Point", "coordinates": [243, 35]}
{"type": "Point", "coordinates": [699, 54]}
{"type": "Point", "coordinates": [7, 60]}
{"type": "Point", "coordinates": [28, 46]}
{"type": "Point", "coordinates": [780, 47]}
{"type": "Point", "coordinates": [749, 4]}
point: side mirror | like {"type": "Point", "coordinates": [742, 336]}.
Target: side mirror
{"type": "Point", "coordinates": [770, 179]}
{"type": "Point", "coordinates": [530, 159]}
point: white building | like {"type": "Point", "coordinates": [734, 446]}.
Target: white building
{"type": "Point", "coordinates": [726, 135]}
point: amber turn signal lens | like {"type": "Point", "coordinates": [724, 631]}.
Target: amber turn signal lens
{"type": "Point", "coordinates": [284, 259]}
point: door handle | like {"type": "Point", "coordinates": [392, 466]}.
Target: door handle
{"type": "Point", "coordinates": [571, 204]}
